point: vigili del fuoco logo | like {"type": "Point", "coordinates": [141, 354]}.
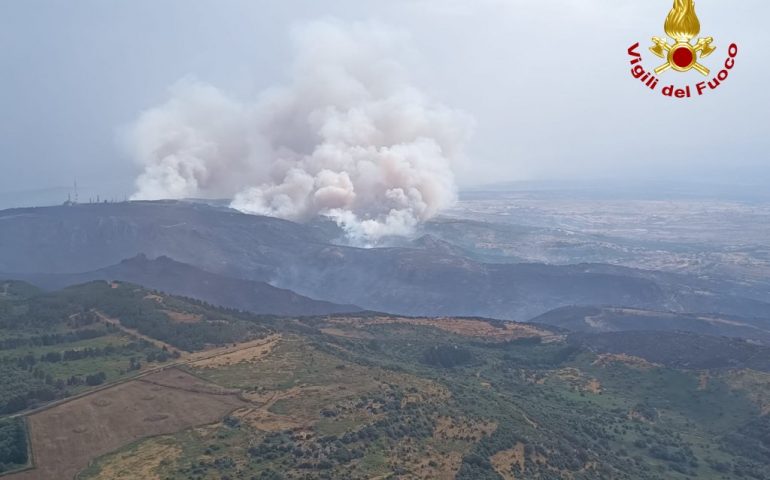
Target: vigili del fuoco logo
{"type": "Point", "coordinates": [680, 54]}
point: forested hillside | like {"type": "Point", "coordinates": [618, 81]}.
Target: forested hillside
{"type": "Point", "coordinates": [55, 344]}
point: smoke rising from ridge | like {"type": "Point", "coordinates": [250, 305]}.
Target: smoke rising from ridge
{"type": "Point", "coordinates": [349, 137]}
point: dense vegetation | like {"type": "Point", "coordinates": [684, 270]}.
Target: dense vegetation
{"type": "Point", "coordinates": [48, 339]}
{"type": "Point", "coordinates": [680, 349]}
{"type": "Point", "coordinates": [21, 388]}
{"type": "Point", "coordinates": [55, 344]}
{"type": "Point", "coordinates": [30, 378]}
{"type": "Point", "coordinates": [751, 440]}
{"type": "Point", "coordinates": [447, 356]}
{"type": "Point", "coordinates": [140, 309]}
{"type": "Point", "coordinates": [15, 290]}
{"type": "Point", "coordinates": [13, 444]}
{"type": "Point", "coordinates": [73, 309]}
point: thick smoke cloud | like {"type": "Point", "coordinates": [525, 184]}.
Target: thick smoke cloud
{"type": "Point", "coordinates": [349, 138]}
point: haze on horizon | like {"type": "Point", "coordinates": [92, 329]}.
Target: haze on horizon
{"type": "Point", "coordinates": [546, 84]}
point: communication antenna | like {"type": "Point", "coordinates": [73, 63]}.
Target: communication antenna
{"type": "Point", "coordinates": [76, 191]}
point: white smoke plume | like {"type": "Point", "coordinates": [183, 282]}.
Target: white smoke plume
{"type": "Point", "coordinates": [349, 138]}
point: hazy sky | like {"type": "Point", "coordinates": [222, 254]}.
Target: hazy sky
{"type": "Point", "coordinates": [547, 83]}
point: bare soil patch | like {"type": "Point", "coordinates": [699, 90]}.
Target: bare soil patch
{"type": "Point", "coordinates": [140, 463]}
{"type": "Point", "coordinates": [177, 379]}
{"type": "Point", "coordinates": [67, 437]}
{"type": "Point", "coordinates": [634, 362]}
{"type": "Point", "coordinates": [756, 385]}
{"type": "Point", "coordinates": [575, 378]}
{"type": "Point", "coordinates": [703, 381]}
{"type": "Point", "coordinates": [594, 386]}
{"type": "Point", "coordinates": [423, 461]}
{"type": "Point", "coordinates": [505, 460]}
{"type": "Point", "coordinates": [347, 333]}
{"type": "Point", "coordinates": [266, 421]}
{"type": "Point", "coordinates": [262, 418]}
{"type": "Point", "coordinates": [247, 352]}
{"type": "Point", "coordinates": [182, 317]}
{"type": "Point", "coordinates": [448, 428]}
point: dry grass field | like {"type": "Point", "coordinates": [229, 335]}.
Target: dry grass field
{"type": "Point", "coordinates": [755, 385]}
{"type": "Point", "coordinates": [467, 327]}
{"type": "Point", "coordinates": [505, 460]}
{"type": "Point", "coordinates": [248, 352]}
{"type": "Point", "coordinates": [67, 437]}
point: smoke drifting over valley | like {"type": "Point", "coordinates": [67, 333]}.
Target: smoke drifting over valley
{"type": "Point", "coordinates": [349, 138]}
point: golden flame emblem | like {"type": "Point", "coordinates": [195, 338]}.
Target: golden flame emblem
{"type": "Point", "coordinates": [682, 25]}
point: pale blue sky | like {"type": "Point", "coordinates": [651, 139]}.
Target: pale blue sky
{"type": "Point", "coordinates": [547, 82]}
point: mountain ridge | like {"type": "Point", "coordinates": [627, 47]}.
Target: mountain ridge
{"type": "Point", "coordinates": [428, 277]}
{"type": "Point", "coordinates": [176, 278]}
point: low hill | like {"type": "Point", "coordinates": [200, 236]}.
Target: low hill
{"type": "Point", "coordinates": [183, 323]}
{"type": "Point", "coordinates": [17, 290]}
{"type": "Point", "coordinates": [679, 349]}
{"type": "Point", "coordinates": [613, 319]}
{"type": "Point", "coordinates": [178, 278]}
